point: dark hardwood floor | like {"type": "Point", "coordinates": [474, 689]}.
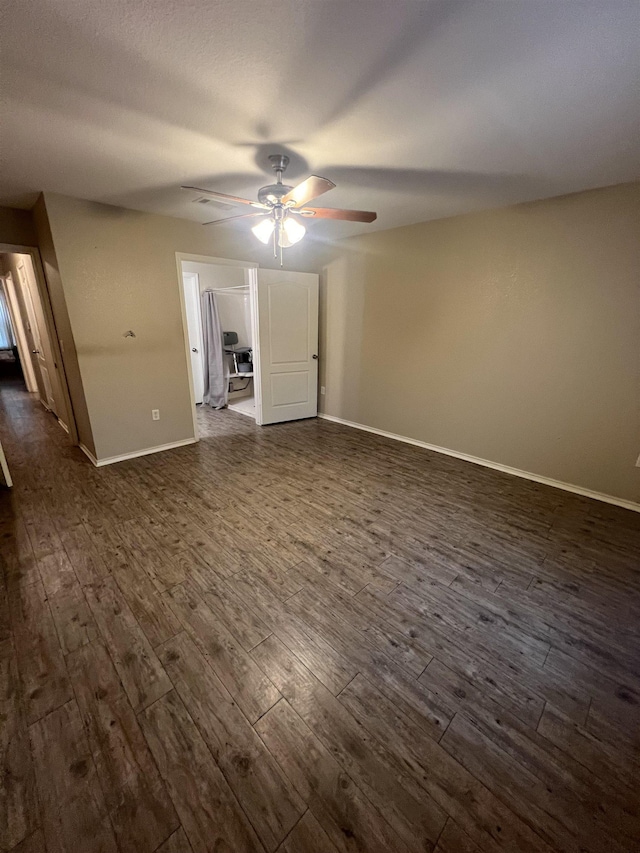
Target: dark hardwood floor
{"type": "Point", "coordinates": [309, 639]}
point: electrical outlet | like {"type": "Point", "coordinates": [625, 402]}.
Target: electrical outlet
{"type": "Point", "coordinates": [155, 414]}
{"type": "Point", "coordinates": [638, 462]}
{"type": "Point", "coordinates": [323, 390]}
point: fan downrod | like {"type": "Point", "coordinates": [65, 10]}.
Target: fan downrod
{"type": "Point", "coordinates": [279, 162]}
{"type": "Point", "coordinates": [273, 194]}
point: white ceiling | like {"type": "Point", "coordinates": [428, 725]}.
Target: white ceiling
{"type": "Point", "coordinates": [415, 109]}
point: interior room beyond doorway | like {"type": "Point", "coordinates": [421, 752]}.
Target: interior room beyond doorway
{"type": "Point", "coordinates": [251, 338]}
{"type": "Point", "coordinates": [231, 286]}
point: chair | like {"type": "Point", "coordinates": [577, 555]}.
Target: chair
{"type": "Point", "coordinates": [230, 341]}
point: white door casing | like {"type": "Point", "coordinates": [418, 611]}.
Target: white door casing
{"type": "Point", "coordinates": [288, 345]}
{"type": "Point", "coordinates": [42, 353]}
{"type": "Point", "coordinates": [5, 468]}
{"type": "Point", "coordinates": [191, 286]}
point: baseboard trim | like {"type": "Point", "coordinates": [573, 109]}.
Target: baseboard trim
{"type": "Point", "coordinates": [110, 460]}
{"type": "Point", "coordinates": [486, 463]}
{"type": "Point", "coordinates": [88, 453]}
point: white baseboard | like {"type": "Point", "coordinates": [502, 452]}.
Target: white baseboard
{"type": "Point", "coordinates": [4, 467]}
{"type": "Point", "coordinates": [497, 466]}
{"type": "Point", "coordinates": [64, 426]}
{"type": "Point", "coordinates": [88, 453]}
{"type": "Point", "coordinates": [109, 460]}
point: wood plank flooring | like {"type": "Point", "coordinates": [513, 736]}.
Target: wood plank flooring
{"type": "Point", "coordinates": [308, 639]}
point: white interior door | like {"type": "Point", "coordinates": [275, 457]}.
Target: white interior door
{"type": "Point", "coordinates": [24, 350]}
{"type": "Point", "coordinates": [191, 286]}
{"type": "Point", "coordinates": [41, 351]}
{"type": "Point", "coordinates": [287, 345]}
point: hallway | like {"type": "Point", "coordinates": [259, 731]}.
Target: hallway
{"type": "Point", "coordinates": [310, 639]}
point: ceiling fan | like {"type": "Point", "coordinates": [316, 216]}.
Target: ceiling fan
{"type": "Point", "coordinates": [279, 206]}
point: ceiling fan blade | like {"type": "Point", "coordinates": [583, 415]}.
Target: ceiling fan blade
{"type": "Point", "coordinates": [335, 213]}
{"type": "Point", "coordinates": [232, 218]}
{"type": "Point", "coordinates": [311, 188]}
{"type": "Point", "coordinates": [231, 199]}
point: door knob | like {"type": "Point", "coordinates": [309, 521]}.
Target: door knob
{"type": "Point", "coordinates": [35, 351]}
{"type": "Point", "coordinates": [193, 349]}
{"type": "Point", "coordinates": [314, 356]}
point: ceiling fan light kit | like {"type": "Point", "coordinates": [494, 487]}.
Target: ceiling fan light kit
{"type": "Point", "coordinates": [279, 205]}
{"type": "Point", "coordinates": [291, 232]}
{"type": "Point", "coordinates": [264, 230]}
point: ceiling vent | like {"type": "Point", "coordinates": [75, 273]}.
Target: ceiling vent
{"type": "Point", "coordinates": [214, 202]}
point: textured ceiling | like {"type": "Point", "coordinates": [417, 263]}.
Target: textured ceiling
{"type": "Point", "coordinates": [415, 109]}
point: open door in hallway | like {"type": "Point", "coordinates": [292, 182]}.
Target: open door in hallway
{"type": "Point", "coordinates": [37, 346]}
{"type": "Point", "coordinates": [42, 354]}
{"type": "Point", "coordinates": [288, 345]}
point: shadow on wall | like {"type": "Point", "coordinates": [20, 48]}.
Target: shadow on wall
{"type": "Point", "coordinates": [341, 328]}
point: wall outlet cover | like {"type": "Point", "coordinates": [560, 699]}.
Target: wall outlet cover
{"type": "Point", "coordinates": [155, 414]}
{"type": "Point", "coordinates": [323, 390]}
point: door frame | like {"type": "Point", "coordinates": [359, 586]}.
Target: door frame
{"type": "Point", "coordinates": [252, 270]}
{"type": "Point", "coordinates": [51, 331]}
{"type": "Point", "coordinates": [39, 337]}
{"type": "Point", "coordinates": [195, 280]}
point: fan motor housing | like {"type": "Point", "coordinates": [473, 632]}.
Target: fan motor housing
{"type": "Point", "coordinates": [273, 193]}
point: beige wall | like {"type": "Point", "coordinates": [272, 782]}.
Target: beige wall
{"type": "Point", "coordinates": [118, 271]}
{"type": "Point", "coordinates": [511, 335]}
{"type": "Point", "coordinates": [16, 227]}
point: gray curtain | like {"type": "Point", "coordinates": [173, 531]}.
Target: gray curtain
{"type": "Point", "coordinates": [216, 369]}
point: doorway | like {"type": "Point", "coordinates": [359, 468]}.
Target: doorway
{"type": "Point", "coordinates": [36, 349]}
{"type": "Point", "coordinates": [268, 320]}
{"type": "Point", "coordinates": [230, 283]}
{"type": "Point", "coordinates": [10, 362]}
